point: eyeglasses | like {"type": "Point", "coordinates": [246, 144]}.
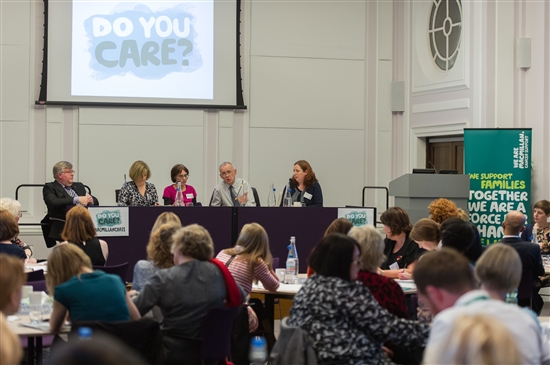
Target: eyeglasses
{"type": "Point", "coordinates": [226, 173]}
{"type": "Point", "coordinates": [69, 172]}
{"type": "Point", "coordinates": [183, 176]}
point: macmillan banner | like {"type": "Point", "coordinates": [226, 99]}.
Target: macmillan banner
{"type": "Point", "coordinates": [110, 221]}
{"type": "Point", "coordinates": [499, 164]}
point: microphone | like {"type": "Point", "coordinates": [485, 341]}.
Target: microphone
{"type": "Point", "coordinates": [124, 177]}
{"type": "Point", "coordinates": [435, 169]}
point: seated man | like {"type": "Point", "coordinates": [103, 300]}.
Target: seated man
{"type": "Point", "coordinates": [231, 192]}
{"type": "Point", "coordinates": [445, 282]}
{"type": "Point", "coordinates": [60, 196]}
{"type": "Point", "coordinates": [529, 253]}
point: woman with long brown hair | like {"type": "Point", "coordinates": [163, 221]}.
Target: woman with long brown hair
{"type": "Point", "coordinates": [304, 186]}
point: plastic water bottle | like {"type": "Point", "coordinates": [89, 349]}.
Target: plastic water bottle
{"type": "Point", "coordinates": [292, 263]}
{"type": "Point", "coordinates": [178, 202]}
{"type": "Point", "coordinates": [512, 297]}
{"type": "Point", "coordinates": [287, 202]}
{"type": "Point", "coordinates": [258, 351]}
{"type": "Point", "coordinates": [271, 198]}
{"type": "Point", "coordinates": [85, 333]}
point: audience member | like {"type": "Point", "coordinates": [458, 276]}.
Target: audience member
{"type": "Point", "coordinates": [61, 195]}
{"type": "Point", "coordinates": [8, 231]}
{"type": "Point", "coordinates": [442, 209]}
{"type": "Point", "coordinates": [159, 255]}
{"type": "Point", "coordinates": [163, 218]}
{"type": "Point", "coordinates": [339, 225]}
{"type": "Point", "coordinates": [400, 250]}
{"type": "Point", "coordinates": [457, 234]}
{"type": "Point", "coordinates": [231, 191]}
{"type": "Point", "coordinates": [445, 282]}
{"type": "Point", "coordinates": [180, 173]}
{"type": "Point", "coordinates": [303, 186]}
{"type": "Point", "coordinates": [476, 249]}
{"type": "Point", "coordinates": [185, 293]}
{"type": "Point", "coordinates": [386, 291]}
{"type": "Point", "coordinates": [138, 191]}
{"type": "Point", "coordinates": [80, 231]}
{"type": "Point", "coordinates": [539, 232]}
{"type": "Point", "coordinates": [12, 279]}
{"type": "Point", "coordinates": [475, 339]}
{"type": "Point", "coordinates": [426, 234]}
{"type": "Point", "coordinates": [343, 319]}
{"type": "Point", "coordinates": [498, 270]}
{"type": "Point", "coordinates": [84, 294]}
{"type": "Point", "coordinates": [529, 254]}
{"type": "Point", "coordinates": [14, 207]}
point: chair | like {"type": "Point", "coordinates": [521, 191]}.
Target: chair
{"type": "Point", "coordinates": [215, 332]}
{"type": "Point", "coordinates": [256, 197]}
{"type": "Point", "coordinates": [117, 194]}
{"type": "Point", "coordinates": [37, 275]}
{"type": "Point", "coordinates": [525, 289]}
{"type": "Point", "coordinates": [39, 285]}
{"type": "Point", "coordinates": [120, 270]}
{"type": "Point", "coordinates": [144, 335]}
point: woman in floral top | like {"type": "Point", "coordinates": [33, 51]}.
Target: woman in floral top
{"type": "Point", "coordinates": [138, 191]}
{"type": "Point", "coordinates": [341, 316]}
{"type": "Point", "coordinates": [539, 232]}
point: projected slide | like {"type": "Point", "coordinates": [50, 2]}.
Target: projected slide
{"type": "Point", "coordinates": [143, 49]}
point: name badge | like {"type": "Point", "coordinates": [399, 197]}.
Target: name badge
{"type": "Point", "coordinates": [189, 196]}
{"type": "Point", "coordinates": [308, 196]}
{"type": "Point", "coordinates": [394, 266]}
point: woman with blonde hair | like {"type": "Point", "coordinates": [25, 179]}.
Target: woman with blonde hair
{"type": "Point", "coordinates": [14, 207]}
{"type": "Point", "coordinates": [82, 293]}
{"type": "Point", "coordinates": [79, 230]}
{"type": "Point", "coordinates": [475, 339]}
{"type": "Point", "coordinates": [138, 191]}
{"type": "Point", "coordinates": [163, 218]}
{"type": "Point", "coordinates": [499, 270]}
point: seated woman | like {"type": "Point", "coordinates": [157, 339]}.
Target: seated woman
{"type": "Point", "coordinates": [185, 293]}
{"type": "Point", "coordinates": [339, 225]}
{"type": "Point", "coordinates": [82, 293]}
{"type": "Point", "coordinates": [458, 234]}
{"type": "Point", "coordinates": [304, 186]}
{"type": "Point", "coordinates": [539, 232]}
{"type": "Point", "coordinates": [12, 278]}
{"type": "Point", "coordinates": [14, 207]}
{"type": "Point", "coordinates": [8, 231]}
{"type": "Point", "coordinates": [138, 191]}
{"type": "Point", "coordinates": [426, 234]}
{"type": "Point", "coordinates": [499, 270]}
{"type": "Point", "coordinates": [343, 319]}
{"type": "Point", "coordinates": [180, 173]}
{"type": "Point", "coordinates": [386, 291]}
{"type": "Point", "coordinates": [400, 250]}
{"type": "Point", "coordinates": [79, 230]}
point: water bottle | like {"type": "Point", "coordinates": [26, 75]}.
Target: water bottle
{"type": "Point", "coordinates": [258, 351]}
{"type": "Point", "coordinates": [178, 202]}
{"type": "Point", "coordinates": [512, 297]}
{"type": "Point", "coordinates": [292, 267]}
{"type": "Point", "coordinates": [85, 333]}
{"type": "Point", "coordinates": [287, 202]}
{"type": "Point", "coordinates": [271, 198]}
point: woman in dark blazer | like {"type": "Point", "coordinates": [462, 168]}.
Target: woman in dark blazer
{"type": "Point", "coordinates": [304, 186]}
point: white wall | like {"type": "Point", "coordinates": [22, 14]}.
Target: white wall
{"type": "Point", "coordinates": [317, 88]}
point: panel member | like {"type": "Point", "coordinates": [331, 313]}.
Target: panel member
{"type": "Point", "coordinates": [138, 191]}
{"type": "Point", "coordinates": [304, 186]}
{"type": "Point", "coordinates": [61, 195]}
{"type": "Point", "coordinates": [232, 191]}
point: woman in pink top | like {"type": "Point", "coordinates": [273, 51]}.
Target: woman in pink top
{"type": "Point", "coordinates": [181, 173]}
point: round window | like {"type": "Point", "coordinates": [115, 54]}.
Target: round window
{"type": "Point", "coordinates": [445, 32]}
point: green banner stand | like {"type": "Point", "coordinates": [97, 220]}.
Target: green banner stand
{"type": "Point", "coordinates": [499, 164]}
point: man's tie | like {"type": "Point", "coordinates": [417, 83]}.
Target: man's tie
{"type": "Point", "coordinates": [71, 192]}
{"type": "Point", "coordinates": [236, 202]}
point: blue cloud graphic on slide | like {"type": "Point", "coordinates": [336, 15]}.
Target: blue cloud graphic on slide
{"type": "Point", "coordinates": [148, 44]}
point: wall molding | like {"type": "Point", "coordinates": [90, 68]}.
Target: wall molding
{"type": "Point", "coordinates": [441, 105]}
{"type": "Point", "coordinates": [439, 130]}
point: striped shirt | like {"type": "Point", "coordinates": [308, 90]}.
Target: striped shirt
{"type": "Point", "coordinates": [242, 275]}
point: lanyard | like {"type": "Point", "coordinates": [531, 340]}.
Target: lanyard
{"type": "Point", "coordinates": [476, 299]}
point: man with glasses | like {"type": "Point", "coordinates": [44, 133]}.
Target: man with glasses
{"type": "Point", "coordinates": [232, 191]}
{"type": "Point", "coordinates": [60, 196]}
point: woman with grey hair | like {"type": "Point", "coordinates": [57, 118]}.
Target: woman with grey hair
{"type": "Point", "coordinates": [386, 291]}
{"type": "Point", "coordinates": [185, 293]}
{"type": "Point", "coordinates": [14, 207]}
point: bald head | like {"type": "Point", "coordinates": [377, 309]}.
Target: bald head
{"type": "Point", "coordinates": [513, 223]}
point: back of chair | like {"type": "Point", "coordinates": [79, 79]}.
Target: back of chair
{"type": "Point", "coordinates": [37, 275]}
{"type": "Point", "coordinates": [215, 332]}
{"type": "Point", "coordinates": [525, 289]}
{"type": "Point", "coordinates": [144, 335]}
{"type": "Point", "coordinates": [39, 285]}
{"type": "Point", "coordinates": [256, 197]}
{"type": "Point", "coordinates": [120, 270]}
{"type": "Point", "coordinates": [117, 194]}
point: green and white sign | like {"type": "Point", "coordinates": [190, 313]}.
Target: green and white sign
{"type": "Point", "coordinates": [499, 164]}
{"type": "Point", "coordinates": [110, 221]}
{"type": "Point", "coordinates": [358, 216]}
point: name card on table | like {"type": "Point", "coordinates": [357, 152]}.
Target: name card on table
{"type": "Point", "coordinates": [110, 221]}
{"type": "Point", "coordinates": [358, 216]}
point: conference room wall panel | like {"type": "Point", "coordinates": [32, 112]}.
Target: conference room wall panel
{"type": "Point", "coordinates": [14, 22]}
{"type": "Point", "coordinates": [14, 155]}
{"type": "Point", "coordinates": [225, 144]}
{"type": "Point", "coordinates": [336, 156]}
{"type": "Point", "coordinates": [14, 85]}
{"type": "Point", "coordinates": [309, 29]}
{"type": "Point", "coordinates": [107, 152]}
{"type": "Point", "coordinates": [307, 93]}
{"type": "Point", "coordinates": [141, 116]}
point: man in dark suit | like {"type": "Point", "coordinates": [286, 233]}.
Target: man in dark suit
{"type": "Point", "coordinates": [60, 196]}
{"type": "Point", "coordinates": [528, 252]}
